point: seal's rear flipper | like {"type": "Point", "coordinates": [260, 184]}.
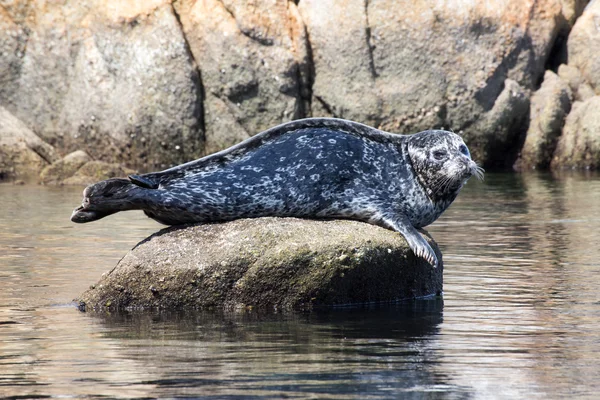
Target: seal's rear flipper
{"type": "Point", "coordinates": [80, 215]}
{"type": "Point", "coordinates": [143, 182]}
{"type": "Point", "coordinates": [105, 198]}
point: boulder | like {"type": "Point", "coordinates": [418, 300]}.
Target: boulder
{"type": "Point", "coordinates": [584, 43]}
{"type": "Point", "coordinates": [579, 144]}
{"type": "Point", "coordinates": [23, 154]}
{"type": "Point", "coordinates": [572, 9]}
{"type": "Point", "coordinates": [549, 108]}
{"type": "Point", "coordinates": [115, 79]}
{"type": "Point", "coordinates": [64, 168]}
{"type": "Point", "coordinates": [94, 171]}
{"type": "Point", "coordinates": [500, 132]}
{"type": "Point", "coordinates": [580, 89]}
{"type": "Point", "coordinates": [78, 168]}
{"type": "Point", "coordinates": [272, 263]}
{"type": "Point", "coordinates": [254, 64]}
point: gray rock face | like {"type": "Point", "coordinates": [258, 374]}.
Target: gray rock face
{"type": "Point", "coordinates": [134, 91]}
{"type": "Point", "coordinates": [581, 90]}
{"type": "Point", "coordinates": [549, 108]}
{"type": "Point", "coordinates": [584, 44]}
{"type": "Point", "coordinates": [12, 45]}
{"type": "Point", "coordinates": [253, 60]}
{"type": "Point", "coordinates": [499, 133]}
{"type": "Point", "coordinates": [78, 168]}
{"type": "Point", "coordinates": [267, 263]}
{"type": "Point", "coordinates": [156, 83]}
{"type": "Point", "coordinates": [345, 84]}
{"type": "Point", "coordinates": [22, 153]}
{"type": "Point", "coordinates": [579, 145]}
{"type": "Point", "coordinates": [116, 81]}
{"type": "Point", "coordinates": [409, 66]}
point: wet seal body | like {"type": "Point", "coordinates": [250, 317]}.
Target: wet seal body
{"type": "Point", "coordinates": [311, 168]}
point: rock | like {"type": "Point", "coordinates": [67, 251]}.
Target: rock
{"type": "Point", "coordinates": [584, 41]}
{"type": "Point", "coordinates": [345, 79]}
{"type": "Point", "coordinates": [549, 108]}
{"type": "Point", "coordinates": [254, 64]}
{"type": "Point", "coordinates": [580, 89]}
{"type": "Point", "coordinates": [22, 153]}
{"type": "Point", "coordinates": [572, 9]}
{"type": "Point", "coordinates": [116, 80]}
{"type": "Point", "coordinates": [94, 171]}
{"type": "Point", "coordinates": [501, 131]}
{"type": "Point", "coordinates": [579, 144]}
{"type": "Point", "coordinates": [39, 81]}
{"type": "Point", "coordinates": [64, 168]}
{"type": "Point", "coordinates": [78, 168]}
{"type": "Point", "coordinates": [13, 42]}
{"type": "Point", "coordinates": [281, 263]}
{"type": "Point", "coordinates": [410, 66]}
{"type": "Point", "coordinates": [156, 83]}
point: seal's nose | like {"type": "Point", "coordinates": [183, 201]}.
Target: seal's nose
{"type": "Point", "coordinates": [465, 168]}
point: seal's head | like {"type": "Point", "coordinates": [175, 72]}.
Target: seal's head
{"type": "Point", "coordinates": [442, 163]}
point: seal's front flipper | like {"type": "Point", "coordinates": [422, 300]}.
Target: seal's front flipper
{"type": "Point", "coordinates": [416, 242]}
{"type": "Point", "coordinates": [143, 182]}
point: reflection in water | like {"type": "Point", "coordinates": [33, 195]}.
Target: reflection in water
{"type": "Point", "coordinates": [353, 351]}
{"type": "Point", "coordinates": [520, 315]}
{"type": "Point", "coordinates": [525, 245]}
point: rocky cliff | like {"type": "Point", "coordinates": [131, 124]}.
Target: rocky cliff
{"type": "Point", "coordinates": [155, 83]}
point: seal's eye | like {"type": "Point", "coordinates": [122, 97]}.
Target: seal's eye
{"type": "Point", "coordinates": [463, 149]}
{"type": "Point", "coordinates": [439, 155]}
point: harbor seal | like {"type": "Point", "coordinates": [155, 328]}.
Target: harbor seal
{"type": "Point", "coordinates": [310, 168]}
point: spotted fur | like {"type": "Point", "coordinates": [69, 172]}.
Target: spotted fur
{"type": "Point", "coordinates": [312, 168]}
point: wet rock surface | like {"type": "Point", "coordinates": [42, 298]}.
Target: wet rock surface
{"type": "Point", "coordinates": [271, 263]}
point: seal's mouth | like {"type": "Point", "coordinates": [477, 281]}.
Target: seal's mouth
{"type": "Point", "coordinates": [81, 215]}
{"type": "Point", "coordinates": [472, 170]}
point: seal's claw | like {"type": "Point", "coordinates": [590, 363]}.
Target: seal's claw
{"type": "Point", "coordinates": [432, 259]}
{"type": "Point", "coordinates": [429, 255]}
{"type": "Point", "coordinates": [425, 252]}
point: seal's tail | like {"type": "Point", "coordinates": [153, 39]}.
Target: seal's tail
{"type": "Point", "coordinates": [110, 196]}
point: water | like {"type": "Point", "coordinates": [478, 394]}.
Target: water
{"type": "Point", "coordinates": [520, 316]}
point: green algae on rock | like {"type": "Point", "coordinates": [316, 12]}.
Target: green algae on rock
{"type": "Point", "coordinates": [270, 263]}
